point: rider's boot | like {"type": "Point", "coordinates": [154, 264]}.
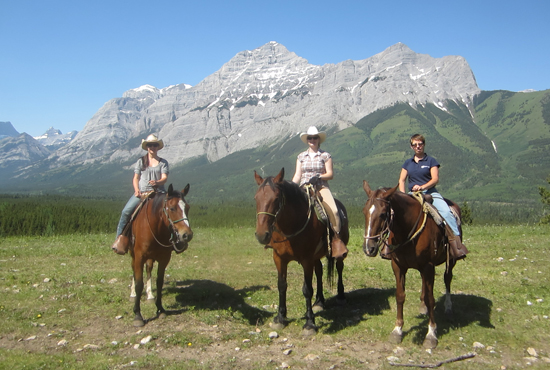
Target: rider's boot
{"type": "Point", "coordinates": [457, 250]}
{"type": "Point", "coordinates": [121, 244]}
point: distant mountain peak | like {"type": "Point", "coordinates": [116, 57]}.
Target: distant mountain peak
{"type": "Point", "coordinates": [53, 138]}
{"type": "Point", "coordinates": [7, 129]}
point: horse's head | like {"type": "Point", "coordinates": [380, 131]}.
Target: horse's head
{"type": "Point", "coordinates": [377, 213]}
{"type": "Point", "coordinates": [177, 210]}
{"type": "Point", "coordinates": [268, 205]}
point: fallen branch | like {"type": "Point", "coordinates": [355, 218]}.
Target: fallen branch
{"type": "Point", "coordinates": [459, 358]}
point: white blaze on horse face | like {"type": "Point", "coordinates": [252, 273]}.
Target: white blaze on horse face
{"type": "Point", "coordinates": [182, 207]}
{"type": "Point", "coordinates": [371, 211]}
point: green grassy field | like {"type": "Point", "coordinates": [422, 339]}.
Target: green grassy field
{"type": "Point", "coordinates": [65, 305]}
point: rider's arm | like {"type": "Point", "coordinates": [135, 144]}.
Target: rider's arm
{"type": "Point", "coordinates": [298, 174]}
{"type": "Point", "coordinates": [162, 181]}
{"type": "Point", "coordinates": [434, 173]}
{"type": "Point", "coordinates": [135, 183]}
{"type": "Point", "coordinates": [402, 179]}
{"type": "Point", "coordinates": [328, 175]}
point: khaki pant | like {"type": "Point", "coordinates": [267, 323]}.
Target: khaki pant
{"type": "Point", "coordinates": [330, 206]}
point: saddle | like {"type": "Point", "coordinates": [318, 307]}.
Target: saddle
{"type": "Point", "coordinates": [456, 248]}
{"type": "Point", "coordinates": [143, 199]}
{"type": "Point", "coordinates": [335, 244]}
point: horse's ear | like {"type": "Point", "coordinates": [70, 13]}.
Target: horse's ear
{"type": "Point", "coordinates": [367, 188]}
{"type": "Point", "coordinates": [280, 176]}
{"type": "Point", "coordinates": [170, 189]}
{"type": "Point", "coordinates": [185, 190]}
{"type": "Point", "coordinates": [392, 191]}
{"type": "Point", "coordinates": [258, 178]}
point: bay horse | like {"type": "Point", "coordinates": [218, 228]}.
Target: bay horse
{"type": "Point", "coordinates": [398, 220]}
{"type": "Point", "coordinates": [161, 226]}
{"type": "Point", "coordinates": [287, 222]}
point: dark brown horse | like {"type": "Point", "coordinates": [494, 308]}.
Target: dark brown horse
{"type": "Point", "coordinates": [397, 219]}
{"type": "Point", "coordinates": [287, 222]}
{"type": "Point", "coordinates": [160, 227]}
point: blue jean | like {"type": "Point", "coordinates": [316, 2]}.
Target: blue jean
{"type": "Point", "coordinates": [444, 211]}
{"type": "Point", "coordinates": [127, 211]}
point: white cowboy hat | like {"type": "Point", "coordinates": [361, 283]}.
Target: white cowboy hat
{"type": "Point", "coordinates": [151, 139]}
{"type": "Point", "coordinates": [312, 131]}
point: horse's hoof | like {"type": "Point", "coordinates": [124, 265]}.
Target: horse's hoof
{"type": "Point", "coordinates": [150, 299]}
{"type": "Point", "coordinates": [318, 308]}
{"type": "Point", "coordinates": [162, 315]}
{"type": "Point", "coordinates": [308, 332]}
{"type": "Point", "coordinates": [430, 343]}
{"type": "Point", "coordinates": [276, 325]}
{"type": "Point", "coordinates": [132, 299]}
{"type": "Point", "coordinates": [395, 338]}
{"type": "Point", "coordinates": [139, 323]}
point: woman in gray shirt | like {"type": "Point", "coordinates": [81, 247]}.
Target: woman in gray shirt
{"type": "Point", "coordinates": [150, 173]}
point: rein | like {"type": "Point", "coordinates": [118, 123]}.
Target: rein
{"type": "Point", "coordinates": [281, 206]}
{"type": "Point", "coordinates": [385, 233]}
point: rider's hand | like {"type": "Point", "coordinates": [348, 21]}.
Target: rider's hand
{"type": "Point", "coordinates": [315, 180]}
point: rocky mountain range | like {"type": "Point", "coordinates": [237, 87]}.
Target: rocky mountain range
{"type": "Point", "coordinates": [20, 152]}
{"type": "Point", "coordinates": [263, 97]}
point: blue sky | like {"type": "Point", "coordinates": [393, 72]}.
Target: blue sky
{"type": "Point", "coordinates": [60, 61]}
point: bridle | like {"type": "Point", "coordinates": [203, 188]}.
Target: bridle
{"type": "Point", "coordinates": [174, 235]}
{"type": "Point", "coordinates": [274, 215]}
{"type": "Point", "coordinates": [385, 233]}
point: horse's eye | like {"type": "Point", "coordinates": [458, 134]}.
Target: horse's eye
{"type": "Point", "coordinates": [383, 216]}
{"type": "Point", "coordinates": [173, 209]}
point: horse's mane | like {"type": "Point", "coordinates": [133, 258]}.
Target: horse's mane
{"type": "Point", "coordinates": [158, 199]}
{"type": "Point", "coordinates": [291, 190]}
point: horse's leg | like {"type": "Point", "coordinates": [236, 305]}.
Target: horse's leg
{"type": "Point", "coordinates": [423, 309]}
{"type": "Point", "coordinates": [161, 313]}
{"type": "Point", "coordinates": [428, 275]}
{"type": "Point", "coordinates": [280, 320]}
{"type": "Point", "coordinates": [307, 289]}
{"type": "Point", "coordinates": [448, 276]}
{"type": "Point", "coordinates": [341, 297]}
{"type": "Point", "coordinates": [133, 290]}
{"type": "Point", "coordinates": [149, 289]}
{"type": "Point", "coordinates": [319, 304]}
{"type": "Point", "coordinates": [137, 265]}
{"type": "Point", "coordinates": [396, 335]}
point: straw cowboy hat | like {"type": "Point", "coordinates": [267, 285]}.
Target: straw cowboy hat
{"type": "Point", "coordinates": [150, 140]}
{"type": "Point", "coordinates": [312, 131]}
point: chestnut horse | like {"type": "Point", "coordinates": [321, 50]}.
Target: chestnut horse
{"type": "Point", "coordinates": [287, 222]}
{"type": "Point", "coordinates": [160, 227]}
{"type": "Point", "coordinates": [398, 220]}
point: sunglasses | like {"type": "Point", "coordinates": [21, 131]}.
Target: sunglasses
{"type": "Point", "coordinates": [152, 145]}
{"type": "Point", "coordinates": [417, 144]}
{"type": "Point", "coordinates": [313, 137]}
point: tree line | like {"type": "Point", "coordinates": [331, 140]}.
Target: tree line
{"type": "Point", "coordinates": [56, 215]}
{"type": "Point", "coordinates": [47, 215]}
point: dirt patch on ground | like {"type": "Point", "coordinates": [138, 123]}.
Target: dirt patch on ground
{"type": "Point", "coordinates": [181, 339]}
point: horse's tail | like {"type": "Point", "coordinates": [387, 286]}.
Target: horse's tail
{"type": "Point", "coordinates": [330, 270]}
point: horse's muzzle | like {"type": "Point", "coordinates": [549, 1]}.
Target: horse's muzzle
{"type": "Point", "coordinates": [263, 238]}
{"type": "Point", "coordinates": [370, 247]}
{"type": "Point", "coordinates": [182, 240]}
